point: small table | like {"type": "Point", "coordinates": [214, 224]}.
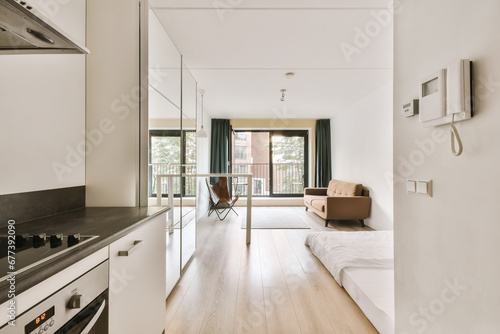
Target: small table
{"type": "Point", "coordinates": [170, 189]}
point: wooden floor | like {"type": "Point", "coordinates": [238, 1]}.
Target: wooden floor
{"type": "Point", "coordinates": [274, 285]}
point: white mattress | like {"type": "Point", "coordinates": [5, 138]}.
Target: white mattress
{"type": "Point", "coordinates": [373, 290]}
{"type": "Point", "coordinates": [364, 249]}
{"type": "Point", "coordinates": [363, 263]}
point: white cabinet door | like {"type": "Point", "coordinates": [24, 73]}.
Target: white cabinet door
{"type": "Point", "coordinates": [137, 280]}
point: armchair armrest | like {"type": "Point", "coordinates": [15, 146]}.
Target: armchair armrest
{"type": "Point", "coordinates": [349, 207]}
{"type": "Point", "coordinates": [315, 191]}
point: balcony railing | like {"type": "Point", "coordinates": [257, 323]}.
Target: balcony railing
{"type": "Point", "coordinates": [188, 184]}
{"type": "Point", "coordinates": [287, 179]}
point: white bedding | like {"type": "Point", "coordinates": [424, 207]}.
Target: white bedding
{"type": "Point", "coordinates": [364, 249]}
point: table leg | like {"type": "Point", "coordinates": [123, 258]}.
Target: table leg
{"type": "Point", "coordinates": [158, 190]}
{"type": "Point", "coordinates": [171, 204]}
{"type": "Point", "coordinates": [249, 209]}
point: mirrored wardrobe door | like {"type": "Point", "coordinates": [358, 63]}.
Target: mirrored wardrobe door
{"type": "Point", "coordinates": [189, 93]}
{"type": "Point", "coordinates": [165, 139]}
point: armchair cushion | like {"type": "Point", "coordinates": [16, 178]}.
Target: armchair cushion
{"type": "Point", "coordinates": [317, 202]}
{"type": "Point", "coordinates": [340, 188]}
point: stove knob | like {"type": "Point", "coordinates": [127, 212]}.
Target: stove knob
{"type": "Point", "coordinates": [56, 240]}
{"type": "Point", "coordinates": [21, 240]}
{"type": "Point", "coordinates": [73, 239]}
{"type": "Point", "coordinates": [76, 301]}
{"type": "Point", "coordinates": [39, 240]}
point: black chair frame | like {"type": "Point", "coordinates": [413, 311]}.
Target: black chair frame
{"type": "Point", "coordinates": [221, 210]}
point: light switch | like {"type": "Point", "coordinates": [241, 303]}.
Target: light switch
{"type": "Point", "coordinates": [424, 187]}
{"type": "Point", "coordinates": [411, 186]}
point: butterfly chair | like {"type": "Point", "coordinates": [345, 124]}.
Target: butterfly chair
{"type": "Point", "coordinates": [220, 201]}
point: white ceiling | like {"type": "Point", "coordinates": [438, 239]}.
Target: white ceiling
{"type": "Point", "coordinates": [240, 50]}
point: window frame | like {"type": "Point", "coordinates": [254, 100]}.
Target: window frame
{"type": "Point", "coordinates": [284, 133]}
{"type": "Point", "coordinates": [169, 133]}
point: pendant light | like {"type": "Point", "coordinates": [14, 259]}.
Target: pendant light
{"type": "Point", "coordinates": [202, 133]}
{"type": "Point", "coordinates": [282, 95]}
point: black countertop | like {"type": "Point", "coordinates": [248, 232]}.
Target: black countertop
{"type": "Point", "coordinates": [109, 224]}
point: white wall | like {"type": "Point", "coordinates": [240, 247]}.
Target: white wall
{"type": "Point", "coordinates": [362, 151]}
{"type": "Point", "coordinates": [453, 237]}
{"type": "Point", "coordinates": [42, 112]}
{"type": "Point", "coordinates": [113, 85]}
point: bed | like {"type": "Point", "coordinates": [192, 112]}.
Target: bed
{"type": "Point", "coordinates": [362, 263]}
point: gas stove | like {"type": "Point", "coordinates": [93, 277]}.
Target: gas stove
{"type": "Point", "coordinates": [34, 249]}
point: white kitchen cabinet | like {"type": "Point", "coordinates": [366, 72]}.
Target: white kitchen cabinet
{"type": "Point", "coordinates": [137, 280]}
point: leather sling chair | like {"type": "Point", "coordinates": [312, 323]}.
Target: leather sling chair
{"type": "Point", "coordinates": [220, 201]}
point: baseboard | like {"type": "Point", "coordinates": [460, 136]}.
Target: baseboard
{"type": "Point", "coordinates": [272, 201]}
{"type": "Point", "coordinates": [242, 201]}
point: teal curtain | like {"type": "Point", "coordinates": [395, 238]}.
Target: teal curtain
{"type": "Point", "coordinates": [219, 156]}
{"type": "Point", "coordinates": [323, 153]}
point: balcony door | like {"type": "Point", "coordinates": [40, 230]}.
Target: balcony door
{"type": "Point", "coordinates": [277, 160]}
{"type": "Point", "coordinates": [289, 163]}
{"type": "Point", "coordinates": [168, 156]}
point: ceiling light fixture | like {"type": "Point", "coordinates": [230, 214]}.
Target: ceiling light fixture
{"type": "Point", "coordinates": [283, 95]}
{"type": "Point", "coordinates": [202, 133]}
{"type": "Point", "coordinates": [289, 75]}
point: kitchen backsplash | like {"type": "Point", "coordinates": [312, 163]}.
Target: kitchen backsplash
{"type": "Point", "coordinates": [27, 206]}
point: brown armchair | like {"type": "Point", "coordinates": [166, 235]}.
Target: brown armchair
{"type": "Point", "coordinates": [340, 201]}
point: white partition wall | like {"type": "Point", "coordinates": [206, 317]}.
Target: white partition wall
{"type": "Point", "coordinates": [446, 246]}
{"type": "Point", "coordinates": [113, 102]}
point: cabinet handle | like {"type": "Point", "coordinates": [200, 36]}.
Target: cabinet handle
{"type": "Point", "coordinates": [136, 246]}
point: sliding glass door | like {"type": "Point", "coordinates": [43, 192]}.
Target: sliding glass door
{"type": "Point", "coordinates": [289, 162]}
{"type": "Point", "coordinates": [276, 159]}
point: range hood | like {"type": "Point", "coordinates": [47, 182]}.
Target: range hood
{"type": "Point", "coordinates": [25, 30]}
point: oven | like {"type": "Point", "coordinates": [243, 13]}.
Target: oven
{"type": "Point", "coordinates": [80, 307]}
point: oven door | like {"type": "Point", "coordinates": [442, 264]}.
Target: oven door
{"type": "Point", "coordinates": [93, 319]}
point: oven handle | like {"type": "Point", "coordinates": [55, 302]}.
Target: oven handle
{"type": "Point", "coordinates": [83, 322]}
{"type": "Point", "coordinates": [94, 319]}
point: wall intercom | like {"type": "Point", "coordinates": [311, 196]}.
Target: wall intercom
{"type": "Point", "coordinates": [446, 95]}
